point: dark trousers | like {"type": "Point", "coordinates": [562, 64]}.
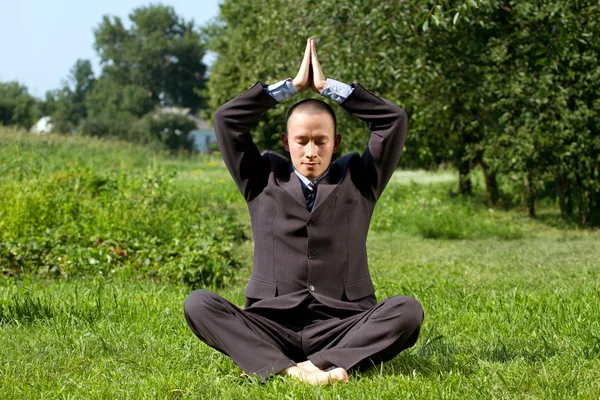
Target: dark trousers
{"type": "Point", "coordinates": [266, 344]}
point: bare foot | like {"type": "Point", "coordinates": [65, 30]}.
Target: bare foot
{"type": "Point", "coordinates": [308, 366]}
{"type": "Point", "coordinates": [318, 376]}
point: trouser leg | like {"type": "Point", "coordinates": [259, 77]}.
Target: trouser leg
{"type": "Point", "coordinates": [257, 345]}
{"type": "Point", "coordinates": [368, 338]}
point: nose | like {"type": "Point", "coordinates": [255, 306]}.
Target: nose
{"type": "Point", "coordinates": [310, 150]}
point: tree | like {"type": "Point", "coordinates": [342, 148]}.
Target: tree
{"type": "Point", "coordinates": [82, 78]}
{"type": "Point", "coordinates": [378, 43]}
{"type": "Point", "coordinates": [160, 53]}
{"type": "Point", "coordinates": [67, 106]}
{"type": "Point", "coordinates": [113, 109]}
{"type": "Point", "coordinates": [17, 106]}
{"type": "Point", "coordinates": [510, 86]}
{"type": "Point", "coordinates": [170, 129]}
{"type": "Point", "coordinates": [548, 99]}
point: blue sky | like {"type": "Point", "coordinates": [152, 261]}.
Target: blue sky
{"type": "Point", "coordinates": [40, 40]}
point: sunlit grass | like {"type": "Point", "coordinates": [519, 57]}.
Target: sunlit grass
{"type": "Point", "coordinates": [511, 304]}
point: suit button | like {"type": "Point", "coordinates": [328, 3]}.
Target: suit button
{"type": "Point", "coordinates": [312, 255]}
{"type": "Point", "coordinates": [311, 288]}
{"type": "Point", "coordinates": [310, 223]}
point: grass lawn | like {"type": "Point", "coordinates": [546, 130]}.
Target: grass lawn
{"type": "Point", "coordinates": [512, 310]}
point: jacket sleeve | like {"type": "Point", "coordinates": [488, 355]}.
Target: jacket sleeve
{"type": "Point", "coordinates": [388, 124]}
{"type": "Point", "coordinates": [232, 127]}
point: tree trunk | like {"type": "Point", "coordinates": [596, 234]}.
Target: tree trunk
{"type": "Point", "coordinates": [464, 177]}
{"type": "Point", "coordinates": [569, 200]}
{"type": "Point", "coordinates": [491, 186]}
{"type": "Point", "coordinates": [597, 205]}
{"type": "Point", "coordinates": [530, 198]}
{"type": "Point", "coordinates": [584, 201]}
{"type": "Point", "coordinates": [560, 190]}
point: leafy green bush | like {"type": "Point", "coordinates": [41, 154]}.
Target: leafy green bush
{"type": "Point", "coordinates": [170, 129]}
{"type": "Point", "coordinates": [78, 219]}
{"type": "Point", "coordinates": [117, 125]}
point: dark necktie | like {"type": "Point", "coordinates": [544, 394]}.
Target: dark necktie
{"type": "Point", "coordinates": [311, 194]}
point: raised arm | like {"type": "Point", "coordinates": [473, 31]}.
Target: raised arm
{"type": "Point", "coordinates": [232, 128]}
{"type": "Point", "coordinates": [235, 118]}
{"type": "Point", "coordinates": [388, 124]}
{"type": "Point", "coordinates": [386, 121]}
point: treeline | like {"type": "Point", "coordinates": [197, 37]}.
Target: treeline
{"type": "Point", "coordinates": [510, 87]}
{"type": "Point", "coordinates": [156, 62]}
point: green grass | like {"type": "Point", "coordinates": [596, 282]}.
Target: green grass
{"type": "Point", "coordinates": [512, 307]}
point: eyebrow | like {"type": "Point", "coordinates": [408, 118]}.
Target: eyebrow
{"type": "Point", "coordinates": [315, 135]}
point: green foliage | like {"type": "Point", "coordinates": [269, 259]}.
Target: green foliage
{"type": "Point", "coordinates": [546, 98]}
{"type": "Point", "coordinates": [66, 106]}
{"type": "Point", "coordinates": [17, 107]}
{"type": "Point", "coordinates": [117, 126]}
{"type": "Point", "coordinates": [113, 110]}
{"type": "Point", "coordinates": [372, 42]}
{"type": "Point", "coordinates": [510, 87]}
{"type": "Point", "coordinates": [68, 209]}
{"type": "Point", "coordinates": [110, 98]}
{"type": "Point", "coordinates": [170, 129]}
{"type": "Point", "coordinates": [160, 52]}
{"type": "Point", "coordinates": [503, 318]}
{"type": "Point", "coordinates": [157, 61]}
{"type": "Point", "coordinates": [433, 212]}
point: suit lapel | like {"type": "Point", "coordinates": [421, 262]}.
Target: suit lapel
{"type": "Point", "coordinates": [327, 185]}
{"type": "Point", "coordinates": [293, 186]}
{"type": "Point", "coordinates": [291, 183]}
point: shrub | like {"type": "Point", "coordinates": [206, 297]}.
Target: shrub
{"type": "Point", "coordinates": [170, 129]}
{"type": "Point", "coordinates": [117, 126]}
{"type": "Point", "coordinates": [77, 219]}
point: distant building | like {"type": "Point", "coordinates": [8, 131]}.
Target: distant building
{"type": "Point", "coordinates": [203, 136]}
{"type": "Point", "coordinates": [43, 126]}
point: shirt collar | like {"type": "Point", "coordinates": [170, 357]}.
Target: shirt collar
{"type": "Point", "coordinates": [305, 180]}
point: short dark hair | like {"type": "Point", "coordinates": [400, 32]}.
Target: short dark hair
{"type": "Point", "coordinates": [310, 107]}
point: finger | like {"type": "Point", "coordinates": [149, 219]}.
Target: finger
{"type": "Point", "coordinates": [313, 53]}
{"type": "Point", "coordinates": [306, 60]}
{"type": "Point", "coordinates": [307, 51]}
{"type": "Point", "coordinates": [317, 71]}
{"type": "Point", "coordinates": [302, 79]}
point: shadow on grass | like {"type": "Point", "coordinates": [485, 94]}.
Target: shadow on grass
{"type": "Point", "coordinates": [25, 309]}
{"type": "Point", "coordinates": [433, 356]}
{"type": "Point", "coordinates": [553, 219]}
{"type": "Point", "coordinates": [436, 356]}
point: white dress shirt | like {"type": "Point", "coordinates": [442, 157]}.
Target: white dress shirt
{"type": "Point", "coordinates": [336, 90]}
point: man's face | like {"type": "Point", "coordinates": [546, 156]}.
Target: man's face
{"type": "Point", "coordinates": [311, 142]}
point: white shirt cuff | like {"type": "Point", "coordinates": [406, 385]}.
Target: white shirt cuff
{"type": "Point", "coordinates": [337, 91]}
{"type": "Point", "coordinates": [282, 90]}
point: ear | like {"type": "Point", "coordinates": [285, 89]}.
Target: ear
{"type": "Point", "coordinates": [337, 140]}
{"type": "Point", "coordinates": [284, 142]}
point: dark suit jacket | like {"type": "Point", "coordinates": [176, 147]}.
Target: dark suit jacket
{"type": "Point", "coordinates": [298, 252]}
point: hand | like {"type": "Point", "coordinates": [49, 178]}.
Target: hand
{"type": "Point", "coordinates": [303, 80]}
{"type": "Point", "coordinates": [318, 81]}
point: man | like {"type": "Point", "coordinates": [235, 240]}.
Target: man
{"type": "Point", "coordinates": [310, 309]}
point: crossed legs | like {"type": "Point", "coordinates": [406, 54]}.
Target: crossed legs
{"type": "Point", "coordinates": [264, 347]}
